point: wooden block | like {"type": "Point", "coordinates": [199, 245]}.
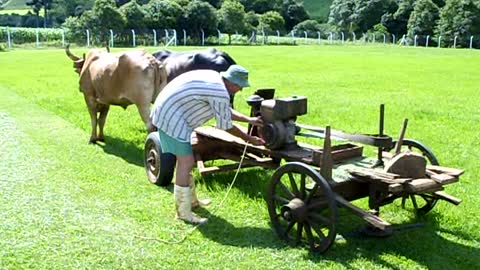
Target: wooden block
{"type": "Point", "coordinates": [407, 164]}
{"type": "Point", "coordinates": [422, 185]}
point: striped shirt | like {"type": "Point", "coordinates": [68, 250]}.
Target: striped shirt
{"type": "Point", "coordinates": [190, 100]}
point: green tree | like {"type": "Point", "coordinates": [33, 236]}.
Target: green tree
{"type": "Point", "coordinates": [341, 15]}
{"type": "Point", "coordinates": [103, 16]}
{"type": "Point", "coordinates": [310, 26]}
{"type": "Point", "coordinates": [423, 20]}
{"type": "Point", "coordinates": [163, 14]}
{"type": "Point", "coordinates": [271, 21]}
{"type": "Point", "coordinates": [231, 18]}
{"type": "Point", "coordinates": [397, 21]}
{"type": "Point", "coordinates": [261, 6]}
{"type": "Point", "coordinates": [369, 13]}
{"type": "Point", "coordinates": [134, 15]}
{"type": "Point", "coordinates": [199, 16]}
{"type": "Point", "coordinates": [252, 20]}
{"type": "Point", "coordinates": [459, 18]}
{"type": "Point", "coordinates": [62, 9]}
{"type": "Point", "coordinates": [37, 5]}
{"type": "Point", "coordinates": [293, 12]}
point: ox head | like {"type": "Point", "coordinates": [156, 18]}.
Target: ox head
{"type": "Point", "coordinates": [77, 61]}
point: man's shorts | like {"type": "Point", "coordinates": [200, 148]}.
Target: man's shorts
{"type": "Point", "coordinates": [174, 146]}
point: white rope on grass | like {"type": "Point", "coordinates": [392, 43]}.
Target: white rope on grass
{"type": "Point", "coordinates": [191, 230]}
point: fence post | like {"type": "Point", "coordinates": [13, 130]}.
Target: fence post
{"type": "Point", "coordinates": [154, 38]}
{"type": "Point", "coordinates": [426, 43]}
{"type": "Point", "coordinates": [293, 36]}
{"type": "Point", "coordinates": [374, 38]}
{"type": "Point", "coordinates": [278, 37]}
{"type": "Point", "coordinates": [219, 34]}
{"type": "Point", "coordinates": [318, 33]}
{"type": "Point", "coordinates": [88, 38]}
{"type": "Point", "coordinates": [455, 42]}
{"type": "Point", "coordinates": [184, 37]}
{"type": "Point", "coordinates": [393, 39]}
{"type": "Point", "coordinates": [343, 37]}
{"type": "Point", "coordinates": [166, 36]}
{"type": "Point", "coordinates": [306, 36]}
{"type": "Point", "coordinates": [133, 36]}
{"type": "Point", "coordinates": [175, 36]}
{"type": "Point", "coordinates": [354, 37]}
{"type": "Point", "coordinates": [9, 39]}
{"type": "Point", "coordinates": [384, 39]}
{"type": "Point", "coordinates": [63, 37]}
{"type": "Point", "coordinates": [439, 40]}
{"type": "Point", "coordinates": [415, 41]}
{"type": "Point", "coordinates": [404, 40]}
{"type": "Point", "coordinates": [471, 41]}
{"type": "Point", "coordinates": [111, 38]}
{"type": "Point", "coordinates": [330, 37]}
{"type": "Point", "coordinates": [36, 38]}
{"type": "Point", "coordinates": [203, 37]}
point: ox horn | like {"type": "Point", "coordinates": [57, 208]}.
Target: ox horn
{"type": "Point", "coordinates": [70, 54]}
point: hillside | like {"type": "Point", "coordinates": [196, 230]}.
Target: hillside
{"type": "Point", "coordinates": [318, 9]}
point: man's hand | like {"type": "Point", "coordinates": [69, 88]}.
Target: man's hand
{"type": "Point", "coordinates": [256, 140]}
{"type": "Point", "coordinates": [256, 121]}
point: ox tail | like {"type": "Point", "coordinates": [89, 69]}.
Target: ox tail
{"type": "Point", "coordinates": [70, 54]}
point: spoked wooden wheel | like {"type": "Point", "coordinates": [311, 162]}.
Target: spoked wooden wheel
{"type": "Point", "coordinates": [302, 207]}
{"type": "Point", "coordinates": [420, 203]}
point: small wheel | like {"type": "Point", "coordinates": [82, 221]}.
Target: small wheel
{"type": "Point", "coordinates": [421, 203]}
{"type": "Point", "coordinates": [302, 207]}
{"type": "Point", "coordinates": [159, 166]}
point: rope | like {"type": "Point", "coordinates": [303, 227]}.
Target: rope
{"type": "Point", "coordinates": [191, 230]}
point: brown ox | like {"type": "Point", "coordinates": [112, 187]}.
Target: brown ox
{"type": "Point", "coordinates": [133, 77]}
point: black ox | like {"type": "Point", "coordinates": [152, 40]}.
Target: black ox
{"type": "Point", "coordinates": [177, 63]}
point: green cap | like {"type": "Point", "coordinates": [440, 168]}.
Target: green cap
{"type": "Point", "coordinates": [237, 75]}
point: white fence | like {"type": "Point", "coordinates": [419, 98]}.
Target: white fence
{"type": "Point", "coordinates": [169, 37]}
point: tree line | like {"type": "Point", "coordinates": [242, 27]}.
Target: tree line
{"type": "Point", "coordinates": [422, 18]}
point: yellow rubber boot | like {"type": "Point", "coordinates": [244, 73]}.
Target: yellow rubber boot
{"type": "Point", "coordinates": [183, 204]}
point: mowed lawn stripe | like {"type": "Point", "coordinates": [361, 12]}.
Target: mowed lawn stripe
{"type": "Point", "coordinates": [57, 194]}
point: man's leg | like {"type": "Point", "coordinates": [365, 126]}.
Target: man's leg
{"type": "Point", "coordinates": [182, 191]}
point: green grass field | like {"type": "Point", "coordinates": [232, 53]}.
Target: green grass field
{"type": "Point", "coordinates": [65, 204]}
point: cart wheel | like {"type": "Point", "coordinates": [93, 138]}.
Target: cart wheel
{"type": "Point", "coordinates": [159, 166]}
{"type": "Point", "coordinates": [300, 213]}
{"type": "Point", "coordinates": [416, 146]}
{"type": "Point", "coordinates": [421, 203]}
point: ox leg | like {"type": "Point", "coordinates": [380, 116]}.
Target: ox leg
{"type": "Point", "coordinates": [92, 109]}
{"type": "Point", "coordinates": [103, 109]}
{"type": "Point", "coordinates": [144, 111]}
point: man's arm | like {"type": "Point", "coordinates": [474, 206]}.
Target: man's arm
{"type": "Point", "coordinates": [238, 116]}
{"type": "Point", "coordinates": [251, 139]}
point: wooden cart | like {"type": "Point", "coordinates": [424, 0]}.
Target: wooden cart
{"type": "Point", "coordinates": [305, 191]}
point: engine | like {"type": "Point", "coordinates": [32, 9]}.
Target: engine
{"type": "Point", "coordinates": [279, 117]}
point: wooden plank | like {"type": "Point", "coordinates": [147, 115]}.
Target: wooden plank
{"type": "Point", "coordinates": [395, 188]}
{"type": "Point", "coordinates": [422, 185]}
{"type": "Point", "coordinates": [442, 178]}
{"type": "Point", "coordinates": [375, 221]}
{"type": "Point", "coordinates": [446, 170]}
{"type": "Point", "coordinates": [447, 197]}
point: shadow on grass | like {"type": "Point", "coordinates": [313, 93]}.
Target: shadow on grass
{"type": "Point", "coordinates": [126, 150]}
{"type": "Point", "coordinates": [427, 245]}
{"type": "Point", "coordinates": [252, 181]}
{"type": "Point", "coordinates": [223, 232]}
